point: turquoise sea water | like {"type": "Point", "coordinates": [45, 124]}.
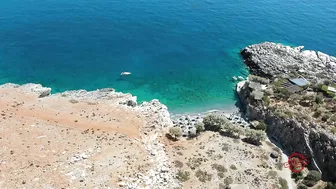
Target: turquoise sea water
{"type": "Point", "coordinates": [182, 52]}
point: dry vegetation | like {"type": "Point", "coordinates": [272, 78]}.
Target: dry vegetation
{"type": "Point", "coordinates": [312, 103]}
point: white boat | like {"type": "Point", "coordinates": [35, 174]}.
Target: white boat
{"type": "Point", "coordinates": [234, 78]}
{"type": "Point", "coordinates": [125, 73]}
{"type": "Point", "coordinates": [241, 78]}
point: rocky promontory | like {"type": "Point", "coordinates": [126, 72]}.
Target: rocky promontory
{"type": "Point", "coordinates": [301, 116]}
{"type": "Point", "coordinates": [271, 59]}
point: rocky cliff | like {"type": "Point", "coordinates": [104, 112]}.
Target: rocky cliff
{"type": "Point", "coordinates": [293, 134]}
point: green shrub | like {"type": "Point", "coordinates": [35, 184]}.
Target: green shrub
{"type": "Point", "coordinates": [233, 167]}
{"type": "Point", "coordinates": [183, 175]}
{"type": "Point", "coordinates": [281, 93]}
{"type": "Point", "coordinates": [266, 100]}
{"type": "Point", "coordinates": [333, 130]}
{"type": "Point", "coordinates": [312, 178]}
{"type": "Point", "coordinates": [319, 99]}
{"type": "Point", "coordinates": [327, 82]}
{"type": "Point", "coordinates": [199, 127]}
{"type": "Point", "coordinates": [324, 88]}
{"type": "Point", "coordinates": [283, 183]}
{"type": "Point", "coordinates": [297, 176]}
{"type": "Point", "coordinates": [305, 117]}
{"type": "Point", "coordinates": [220, 174]}
{"type": "Point", "coordinates": [231, 130]}
{"type": "Point", "coordinates": [228, 181]}
{"type": "Point", "coordinates": [219, 168]}
{"type": "Point", "coordinates": [221, 186]}
{"type": "Point", "coordinates": [272, 174]}
{"type": "Point", "coordinates": [302, 186]}
{"type": "Point", "coordinates": [325, 117]}
{"type": "Point", "coordinates": [178, 164]}
{"type": "Point", "coordinates": [214, 123]}
{"type": "Point", "coordinates": [316, 87]}
{"type": "Point", "coordinates": [73, 101]}
{"type": "Point", "coordinates": [175, 132]}
{"type": "Point", "coordinates": [203, 176]}
{"type": "Point", "coordinates": [331, 185]}
{"type": "Point", "coordinates": [318, 112]}
{"type": "Point", "coordinates": [262, 125]}
{"type": "Point", "coordinates": [193, 163]}
{"type": "Point", "coordinates": [226, 147]}
{"type": "Point", "coordinates": [258, 79]}
{"type": "Point", "coordinates": [254, 137]}
{"type": "Point", "coordinates": [279, 166]}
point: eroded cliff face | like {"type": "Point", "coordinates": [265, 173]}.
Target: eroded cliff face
{"type": "Point", "coordinates": [294, 135]}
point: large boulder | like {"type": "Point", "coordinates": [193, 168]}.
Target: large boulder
{"type": "Point", "coordinates": [37, 89]}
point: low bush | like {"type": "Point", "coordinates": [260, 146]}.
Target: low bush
{"type": "Point", "coordinates": [318, 112]}
{"type": "Point", "coordinates": [183, 176]}
{"type": "Point", "coordinates": [226, 147]}
{"type": "Point", "coordinates": [254, 137]}
{"type": "Point", "coordinates": [73, 101]}
{"type": "Point", "coordinates": [231, 130]}
{"type": "Point", "coordinates": [258, 79]}
{"type": "Point", "coordinates": [272, 174]}
{"type": "Point", "coordinates": [316, 87]}
{"type": "Point", "coordinates": [220, 174]}
{"type": "Point", "coordinates": [297, 176]}
{"type": "Point", "coordinates": [199, 127]}
{"type": "Point", "coordinates": [325, 117]}
{"type": "Point", "coordinates": [233, 167]}
{"type": "Point", "coordinates": [331, 185]}
{"type": "Point", "coordinates": [319, 99]}
{"type": "Point", "coordinates": [175, 132]}
{"type": "Point", "coordinates": [178, 164]}
{"type": "Point", "coordinates": [261, 126]}
{"type": "Point", "coordinates": [203, 176]}
{"type": "Point", "coordinates": [302, 186]}
{"type": "Point", "coordinates": [214, 123]}
{"type": "Point", "coordinates": [327, 82]}
{"type": "Point", "coordinates": [266, 100]}
{"type": "Point", "coordinates": [312, 178]}
{"type": "Point", "coordinates": [228, 181]}
{"type": "Point", "coordinates": [283, 183]}
{"type": "Point", "coordinates": [333, 130]}
{"type": "Point", "coordinates": [193, 163]}
{"type": "Point", "coordinates": [280, 92]}
{"type": "Point", "coordinates": [219, 168]}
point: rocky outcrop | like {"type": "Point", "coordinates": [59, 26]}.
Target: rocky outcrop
{"type": "Point", "coordinates": [271, 59]}
{"type": "Point", "coordinates": [107, 94]}
{"type": "Point", "coordinates": [294, 135]}
{"type": "Point", "coordinates": [156, 113]}
{"type": "Point", "coordinates": [30, 88]}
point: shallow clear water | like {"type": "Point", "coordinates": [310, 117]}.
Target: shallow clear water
{"type": "Point", "coordinates": [182, 52]}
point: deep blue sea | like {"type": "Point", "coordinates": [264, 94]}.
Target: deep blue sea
{"type": "Point", "coordinates": [182, 52]}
